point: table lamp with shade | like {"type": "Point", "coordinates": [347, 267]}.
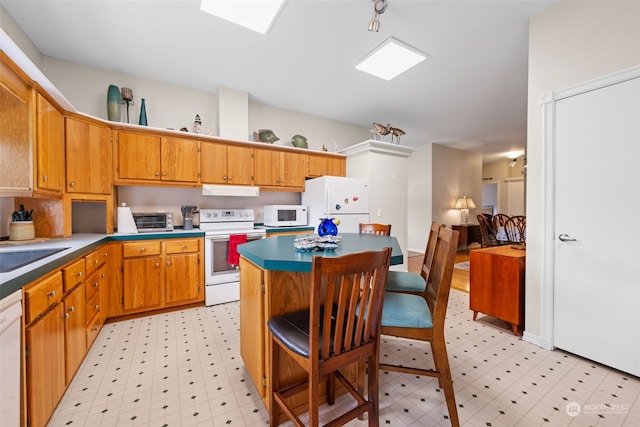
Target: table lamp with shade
{"type": "Point", "coordinates": [465, 203]}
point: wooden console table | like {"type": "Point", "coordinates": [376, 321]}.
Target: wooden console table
{"type": "Point", "coordinates": [496, 284]}
{"type": "Point", "coordinates": [469, 233]}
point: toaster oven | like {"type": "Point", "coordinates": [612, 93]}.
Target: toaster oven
{"type": "Point", "coordinates": [153, 222]}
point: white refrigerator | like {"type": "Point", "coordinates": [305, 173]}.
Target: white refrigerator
{"type": "Point", "coordinates": [344, 199]}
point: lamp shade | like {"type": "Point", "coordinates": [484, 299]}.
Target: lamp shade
{"type": "Point", "coordinates": [465, 203]}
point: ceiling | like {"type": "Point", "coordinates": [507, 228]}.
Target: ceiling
{"type": "Point", "coordinates": [471, 93]}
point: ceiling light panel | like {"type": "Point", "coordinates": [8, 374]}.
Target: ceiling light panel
{"type": "Point", "coordinates": [391, 59]}
{"type": "Point", "coordinates": [257, 15]}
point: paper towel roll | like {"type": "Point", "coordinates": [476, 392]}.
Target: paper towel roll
{"type": "Point", "coordinates": [126, 224]}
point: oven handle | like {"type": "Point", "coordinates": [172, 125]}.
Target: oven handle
{"type": "Point", "coordinates": [223, 237]}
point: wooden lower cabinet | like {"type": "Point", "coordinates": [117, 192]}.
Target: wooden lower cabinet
{"type": "Point", "coordinates": [74, 331]}
{"type": "Point", "coordinates": [496, 284]}
{"type": "Point", "coordinates": [45, 365]}
{"type": "Point", "coordinates": [142, 279]}
{"type": "Point", "coordinates": [161, 273]}
{"type": "Point", "coordinates": [254, 329]}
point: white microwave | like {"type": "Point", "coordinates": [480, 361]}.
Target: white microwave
{"type": "Point", "coordinates": [285, 215]}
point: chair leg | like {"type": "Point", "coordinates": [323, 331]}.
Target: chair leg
{"type": "Point", "coordinates": [445, 381]}
{"type": "Point", "coordinates": [372, 391]}
{"type": "Point", "coordinates": [331, 389]}
{"type": "Point", "coordinates": [314, 396]}
{"type": "Point", "coordinates": [274, 384]}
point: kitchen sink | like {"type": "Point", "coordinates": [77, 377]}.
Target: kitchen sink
{"type": "Point", "coordinates": [10, 261]}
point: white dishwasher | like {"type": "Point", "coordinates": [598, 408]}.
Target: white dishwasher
{"type": "Point", "coordinates": [10, 313]}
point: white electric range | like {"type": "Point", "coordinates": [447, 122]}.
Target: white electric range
{"type": "Point", "coordinates": [222, 278]}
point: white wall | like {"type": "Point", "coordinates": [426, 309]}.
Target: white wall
{"type": "Point", "coordinates": [455, 173]}
{"type": "Point", "coordinates": [569, 43]}
{"type": "Point", "coordinates": [419, 199]}
{"type": "Point", "coordinates": [171, 106]}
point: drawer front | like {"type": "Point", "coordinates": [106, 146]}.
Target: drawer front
{"type": "Point", "coordinates": [43, 294]}
{"type": "Point", "coordinates": [93, 329]}
{"type": "Point", "coordinates": [92, 285]}
{"type": "Point", "coordinates": [93, 261]}
{"type": "Point", "coordinates": [92, 308]}
{"type": "Point", "coordinates": [182, 246]}
{"type": "Point", "coordinates": [73, 275]}
{"type": "Point", "coordinates": [142, 248]}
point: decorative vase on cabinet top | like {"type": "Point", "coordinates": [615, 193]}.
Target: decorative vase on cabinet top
{"type": "Point", "coordinates": [114, 103]}
{"type": "Point", "coordinates": [143, 114]}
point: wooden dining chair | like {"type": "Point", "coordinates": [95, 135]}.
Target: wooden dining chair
{"type": "Point", "coordinates": [341, 328]}
{"type": "Point", "coordinates": [415, 283]}
{"type": "Point", "coordinates": [516, 229]}
{"type": "Point", "coordinates": [423, 317]}
{"type": "Point", "coordinates": [489, 238]}
{"type": "Point", "coordinates": [379, 229]}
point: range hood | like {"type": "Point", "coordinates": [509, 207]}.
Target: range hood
{"type": "Point", "coordinates": [230, 190]}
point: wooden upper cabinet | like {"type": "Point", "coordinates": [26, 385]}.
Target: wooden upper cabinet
{"type": "Point", "coordinates": [16, 114]}
{"type": "Point", "coordinates": [88, 156]}
{"type": "Point", "coordinates": [279, 169]}
{"type": "Point", "coordinates": [323, 164]}
{"type": "Point", "coordinates": [49, 153]}
{"type": "Point", "coordinates": [226, 164]}
{"type": "Point", "coordinates": [138, 156]}
{"type": "Point", "coordinates": [144, 157]}
{"type": "Point", "coordinates": [179, 159]}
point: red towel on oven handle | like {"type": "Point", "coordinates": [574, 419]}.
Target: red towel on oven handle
{"type": "Point", "coordinates": [233, 257]}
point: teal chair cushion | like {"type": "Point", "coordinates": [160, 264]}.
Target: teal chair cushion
{"type": "Point", "coordinates": [405, 311]}
{"type": "Point", "coordinates": [403, 281]}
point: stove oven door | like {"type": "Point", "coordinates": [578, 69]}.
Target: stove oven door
{"type": "Point", "coordinates": [222, 279]}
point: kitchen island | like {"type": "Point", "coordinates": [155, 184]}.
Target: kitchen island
{"type": "Point", "coordinates": [275, 279]}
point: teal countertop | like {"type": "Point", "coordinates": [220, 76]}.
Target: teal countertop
{"type": "Point", "coordinates": [76, 246]}
{"type": "Point", "coordinates": [278, 252]}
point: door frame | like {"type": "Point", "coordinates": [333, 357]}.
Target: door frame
{"type": "Point", "coordinates": [548, 101]}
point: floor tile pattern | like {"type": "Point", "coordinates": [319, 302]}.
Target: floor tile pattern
{"type": "Point", "coordinates": [184, 369]}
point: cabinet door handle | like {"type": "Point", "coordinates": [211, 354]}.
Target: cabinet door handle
{"type": "Point", "coordinates": [157, 173]}
{"type": "Point", "coordinates": [52, 294]}
{"type": "Point", "coordinates": [72, 184]}
{"type": "Point", "coordinates": [72, 309]}
{"type": "Point", "coordinates": [142, 249]}
{"type": "Point", "coordinates": [95, 284]}
{"type": "Point", "coordinates": [184, 247]}
{"type": "Point", "coordinates": [157, 264]}
{"type": "Point", "coordinates": [96, 261]}
{"type": "Point", "coordinates": [45, 178]}
{"type": "Point", "coordinates": [65, 316]}
{"type": "Point", "coordinates": [97, 307]}
{"type": "Point", "coordinates": [168, 262]}
{"type": "Point", "coordinates": [79, 274]}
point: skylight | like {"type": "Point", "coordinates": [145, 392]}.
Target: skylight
{"type": "Point", "coordinates": [390, 59]}
{"type": "Point", "coordinates": [257, 15]}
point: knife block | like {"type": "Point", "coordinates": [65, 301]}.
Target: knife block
{"type": "Point", "coordinates": [22, 230]}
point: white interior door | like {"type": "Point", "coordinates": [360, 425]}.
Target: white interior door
{"type": "Point", "coordinates": [596, 278]}
{"type": "Point", "coordinates": [515, 197]}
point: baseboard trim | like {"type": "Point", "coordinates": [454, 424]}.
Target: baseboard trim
{"type": "Point", "coordinates": [537, 340]}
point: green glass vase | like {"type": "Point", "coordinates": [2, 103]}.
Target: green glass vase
{"type": "Point", "coordinates": [114, 103]}
{"type": "Point", "coordinates": [143, 114]}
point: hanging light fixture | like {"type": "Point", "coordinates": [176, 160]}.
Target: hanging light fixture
{"type": "Point", "coordinates": [379, 7]}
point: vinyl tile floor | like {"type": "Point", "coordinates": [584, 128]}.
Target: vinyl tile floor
{"type": "Point", "coordinates": [184, 369]}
